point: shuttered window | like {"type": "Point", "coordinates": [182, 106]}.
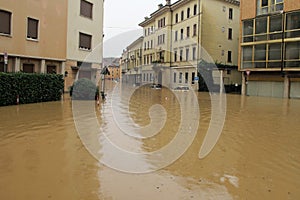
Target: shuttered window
{"type": "Point", "coordinates": [86, 9]}
{"type": "Point", "coordinates": [28, 68]}
{"type": "Point", "coordinates": [5, 22]}
{"type": "Point", "coordinates": [85, 41]}
{"type": "Point", "coordinates": [32, 28]}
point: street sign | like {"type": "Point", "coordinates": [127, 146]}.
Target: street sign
{"type": "Point", "coordinates": [196, 78]}
{"type": "Point", "coordinates": [5, 58]}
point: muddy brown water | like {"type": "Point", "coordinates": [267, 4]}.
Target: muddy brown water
{"type": "Point", "coordinates": [256, 157]}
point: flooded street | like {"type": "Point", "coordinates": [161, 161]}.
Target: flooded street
{"type": "Point", "coordinates": [256, 157]}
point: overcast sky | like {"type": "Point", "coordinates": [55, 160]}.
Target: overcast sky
{"type": "Point", "coordinates": [121, 19]}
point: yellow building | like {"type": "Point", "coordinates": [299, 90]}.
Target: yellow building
{"type": "Point", "coordinates": [51, 36]}
{"type": "Point", "coordinates": [175, 33]}
{"type": "Point", "coordinates": [114, 72]}
{"type": "Point", "coordinates": [270, 48]}
{"type": "Point", "coordinates": [131, 60]}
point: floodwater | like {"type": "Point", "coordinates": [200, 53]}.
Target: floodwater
{"type": "Point", "coordinates": [256, 157]}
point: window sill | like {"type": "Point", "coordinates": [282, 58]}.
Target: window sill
{"type": "Point", "coordinates": [86, 17]}
{"type": "Point", "coordinates": [31, 39]}
{"type": "Point", "coordinates": [84, 49]}
{"type": "Point", "coordinates": [6, 35]}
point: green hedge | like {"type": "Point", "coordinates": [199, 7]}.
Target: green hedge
{"type": "Point", "coordinates": [30, 88]}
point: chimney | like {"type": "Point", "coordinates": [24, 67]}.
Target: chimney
{"type": "Point", "coordinates": [160, 6]}
{"type": "Point", "coordinates": [168, 2]}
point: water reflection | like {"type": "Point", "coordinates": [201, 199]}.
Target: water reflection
{"type": "Point", "coordinates": [256, 157]}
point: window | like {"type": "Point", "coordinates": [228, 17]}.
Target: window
{"type": "Point", "coordinates": [176, 35]}
{"type": "Point", "coordinates": [193, 77]}
{"type": "Point", "coordinates": [186, 77]}
{"type": "Point", "coordinates": [162, 23]}
{"type": "Point", "coordinates": [5, 22]}
{"type": "Point", "coordinates": [188, 13]}
{"type": "Point", "coordinates": [181, 34]}
{"type": "Point", "coordinates": [264, 3]}
{"type": "Point", "coordinates": [86, 9]}
{"type": "Point", "coordinates": [274, 51]}
{"type": "Point", "coordinates": [32, 28]}
{"type": "Point", "coordinates": [180, 77]}
{"type": "Point", "coordinates": [248, 31]}
{"type": "Point", "coordinates": [28, 68]}
{"type": "Point", "coordinates": [292, 54]}
{"type": "Point", "coordinates": [181, 55]}
{"type": "Point", "coordinates": [161, 39]}
{"type": "Point", "coordinates": [229, 59]}
{"type": "Point", "coordinates": [230, 34]}
{"type": "Point", "coordinates": [188, 32]}
{"type": "Point", "coordinates": [260, 52]}
{"type": "Point", "coordinates": [275, 27]}
{"type": "Point", "coordinates": [51, 69]}
{"type": "Point", "coordinates": [261, 29]}
{"type": "Point", "coordinates": [85, 41]}
{"type": "Point", "coordinates": [174, 77]}
{"type": "Point", "coordinates": [230, 13]}
{"type": "Point", "coordinates": [187, 54]}
{"type": "Point", "coordinates": [175, 56]}
{"type": "Point", "coordinates": [182, 15]}
{"type": "Point", "coordinates": [261, 25]}
{"type": "Point", "coordinates": [176, 18]}
{"type": "Point", "coordinates": [269, 6]}
{"type": "Point", "coordinates": [194, 29]}
{"type": "Point", "coordinates": [195, 9]}
{"type": "Point", "coordinates": [293, 25]}
{"type": "Point", "coordinates": [194, 53]}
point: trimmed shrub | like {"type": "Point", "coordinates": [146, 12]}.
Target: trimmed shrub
{"type": "Point", "coordinates": [30, 88]}
{"type": "Point", "coordinates": [84, 89]}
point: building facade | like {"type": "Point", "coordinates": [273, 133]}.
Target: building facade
{"type": "Point", "coordinates": [270, 48]}
{"type": "Point", "coordinates": [131, 62]}
{"type": "Point", "coordinates": [25, 31]}
{"type": "Point", "coordinates": [84, 40]}
{"type": "Point", "coordinates": [55, 36]}
{"type": "Point", "coordinates": [177, 36]}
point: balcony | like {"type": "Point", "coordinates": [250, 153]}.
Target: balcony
{"type": "Point", "coordinates": [270, 9]}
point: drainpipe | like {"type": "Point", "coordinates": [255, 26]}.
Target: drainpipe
{"type": "Point", "coordinates": [171, 42]}
{"type": "Point", "coordinates": [198, 43]}
{"type": "Point", "coordinates": [282, 42]}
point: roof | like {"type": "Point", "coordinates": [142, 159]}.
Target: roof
{"type": "Point", "coordinates": [165, 8]}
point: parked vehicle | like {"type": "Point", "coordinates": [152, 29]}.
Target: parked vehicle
{"type": "Point", "coordinates": [182, 88]}
{"type": "Point", "coordinates": [156, 86]}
